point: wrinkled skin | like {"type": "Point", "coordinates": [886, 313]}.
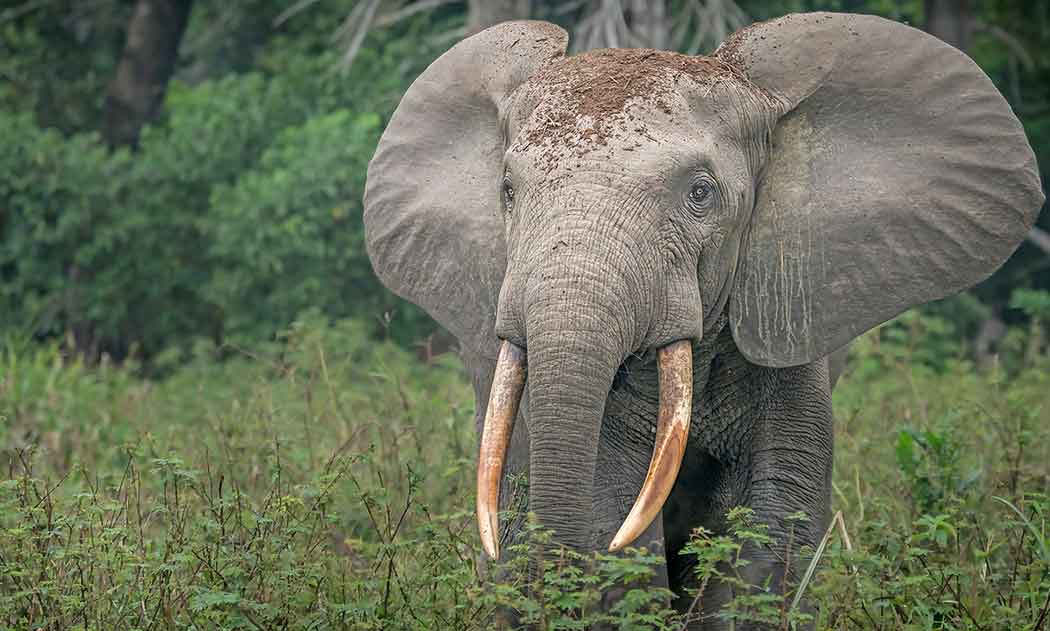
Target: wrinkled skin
{"type": "Point", "coordinates": [765, 204]}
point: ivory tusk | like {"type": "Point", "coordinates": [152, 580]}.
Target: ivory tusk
{"type": "Point", "coordinates": [504, 397]}
{"type": "Point", "coordinates": [672, 431]}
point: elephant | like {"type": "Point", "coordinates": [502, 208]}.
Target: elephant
{"type": "Point", "coordinates": [648, 257]}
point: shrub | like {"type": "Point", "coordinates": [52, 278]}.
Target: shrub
{"type": "Point", "coordinates": [241, 208]}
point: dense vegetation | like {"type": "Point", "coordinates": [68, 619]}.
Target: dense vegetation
{"type": "Point", "coordinates": [212, 416]}
{"type": "Point", "coordinates": [327, 483]}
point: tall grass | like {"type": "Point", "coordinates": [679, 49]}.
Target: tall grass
{"type": "Point", "coordinates": [325, 482]}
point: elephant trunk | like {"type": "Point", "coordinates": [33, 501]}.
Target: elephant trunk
{"type": "Point", "coordinates": [570, 378]}
{"type": "Point", "coordinates": [573, 358]}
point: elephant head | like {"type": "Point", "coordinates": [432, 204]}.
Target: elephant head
{"type": "Point", "coordinates": [817, 175]}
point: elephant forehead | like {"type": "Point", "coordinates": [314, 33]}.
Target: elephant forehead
{"type": "Point", "coordinates": [602, 82]}
{"type": "Point", "coordinates": [613, 99]}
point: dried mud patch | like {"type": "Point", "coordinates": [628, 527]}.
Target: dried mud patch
{"type": "Point", "coordinates": [583, 101]}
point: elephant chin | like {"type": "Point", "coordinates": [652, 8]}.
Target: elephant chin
{"type": "Point", "coordinates": [675, 365]}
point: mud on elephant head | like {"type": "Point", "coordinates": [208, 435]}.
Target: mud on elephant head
{"type": "Point", "coordinates": [816, 176]}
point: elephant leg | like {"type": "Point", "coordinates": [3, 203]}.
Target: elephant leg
{"type": "Point", "coordinates": [701, 496]}
{"type": "Point", "coordinates": [787, 470]}
{"type": "Point", "coordinates": [776, 567]}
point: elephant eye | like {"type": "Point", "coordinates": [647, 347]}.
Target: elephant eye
{"type": "Point", "coordinates": [508, 194]}
{"type": "Point", "coordinates": [701, 193]}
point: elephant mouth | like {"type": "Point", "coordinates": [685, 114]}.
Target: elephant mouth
{"type": "Point", "coordinates": [675, 365]}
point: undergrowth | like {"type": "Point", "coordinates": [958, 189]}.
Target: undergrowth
{"type": "Point", "coordinates": [325, 482]}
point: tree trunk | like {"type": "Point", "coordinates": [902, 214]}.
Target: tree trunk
{"type": "Point", "coordinates": [485, 13]}
{"type": "Point", "coordinates": [136, 92]}
{"type": "Point", "coordinates": [950, 21]}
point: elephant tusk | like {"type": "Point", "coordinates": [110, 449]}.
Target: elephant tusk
{"type": "Point", "coordinates": [505, 395]}
{"type": "Point", "coordinates": [672, 430]}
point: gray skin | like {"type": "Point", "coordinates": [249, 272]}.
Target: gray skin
{"type": "Point", "coordinates": [818, 175]}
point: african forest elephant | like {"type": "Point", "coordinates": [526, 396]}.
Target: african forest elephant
{"type": "Point", "coordinates": [675, 244]}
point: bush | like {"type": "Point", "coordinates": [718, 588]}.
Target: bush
{"type": "Point", "coordinates": [241, 208]}
{"type": "Point", "coordinates": [285, 236]}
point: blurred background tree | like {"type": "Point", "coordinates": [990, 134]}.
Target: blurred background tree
{"type": "Point", "coordinates": [178, 171]}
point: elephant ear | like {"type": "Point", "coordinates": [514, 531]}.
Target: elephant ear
{"type": "Point", "coordinates": [432, 226]}
{"type": "Point", "coordinates": [898, 175]}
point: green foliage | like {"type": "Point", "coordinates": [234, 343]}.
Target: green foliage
{"type": "Point", "coordinates": [328, 481]}
{"type": "Point", "coordinates": [56, 59]}
{"type": "Point", "coordinates": [287, 236]}
{"type": "Point", "coordinates": [944, 475]}
{"type": "Point", "coordinates": [930, 462]}
{"type": "Point", "coordinates": [241, 208]}
{"type": "Point", "coordinates": [58, 192]}
{"type": "Point", "coordinates": [1035, 303]}
{"type": "Point", "coordinates": [721, 557]}
{"type": "Point", "coordinates": [955, 570]}
{"type": "Point", "coordinates": [233, 491]}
